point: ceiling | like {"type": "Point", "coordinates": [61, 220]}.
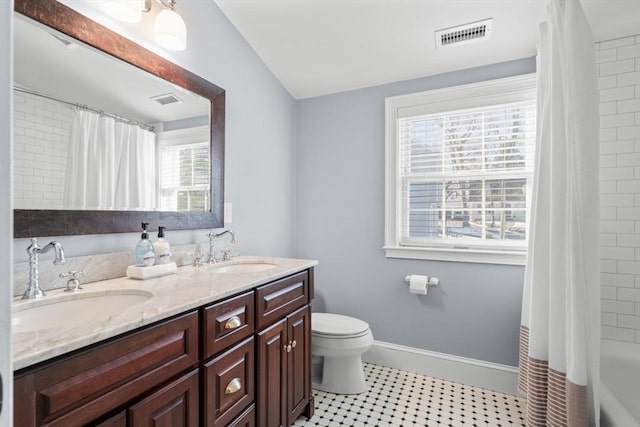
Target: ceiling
{"type": "Point", "coordinates": [317, 47]}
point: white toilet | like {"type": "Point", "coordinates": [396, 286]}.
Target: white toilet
{"type": "Point", "coordinates": [337, 345]}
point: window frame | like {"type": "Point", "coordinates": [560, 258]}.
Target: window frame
{"type": "Point", "coordinates": [475, 95]}
{"type": "Point", "coordinates": [179, 137]}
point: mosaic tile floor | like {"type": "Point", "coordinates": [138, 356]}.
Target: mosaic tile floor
{"type": "Point", "coordinates": [399, 398]}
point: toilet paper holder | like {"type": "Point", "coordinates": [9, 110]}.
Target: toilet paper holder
{"type": "Point", "coordinates": [431, 281]}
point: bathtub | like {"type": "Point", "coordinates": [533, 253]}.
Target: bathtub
{"type": "Point", "coordinates": [620, 380]}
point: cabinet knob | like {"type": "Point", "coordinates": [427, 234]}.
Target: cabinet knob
{"type": "Point", "coordinates": [233, 323]}
{"type": "Point", "coordinates": [287, 347]}
{"type": "Point", "coordinates": [233, 386]}
{"type": "Point", "coordinates": [293, 344]}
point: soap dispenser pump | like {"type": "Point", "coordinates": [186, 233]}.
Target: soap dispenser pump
{"type": "Point", "coordinates": [144, 249]}
{"type": "Point", "coordinates": [162, 248]}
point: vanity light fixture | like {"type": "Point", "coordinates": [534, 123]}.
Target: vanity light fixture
{"type": "Point", "coordinates": [124, 10]}
{"type": "Point", "coordinates": [169, 29]}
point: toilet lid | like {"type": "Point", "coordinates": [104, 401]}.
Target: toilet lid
{"type": "Point", "coordinates": [337, 324]}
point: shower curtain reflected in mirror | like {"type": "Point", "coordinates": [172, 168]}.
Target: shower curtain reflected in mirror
{"type": "Point", "coordinates": [111, 165]}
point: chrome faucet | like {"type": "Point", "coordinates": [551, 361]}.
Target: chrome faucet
{"type": "Point", "coordinates": [212, 237]}
{"type": "Point", "coordinates": [34, 291]}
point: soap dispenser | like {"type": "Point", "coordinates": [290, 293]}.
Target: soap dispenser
{"type": "Point", "coordinates": [161, 248]}
{"type": "Point", "coordinates": [144, 250]}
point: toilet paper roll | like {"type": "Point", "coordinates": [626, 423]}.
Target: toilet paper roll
{"type": "Point", "coordinates": [418, 284]}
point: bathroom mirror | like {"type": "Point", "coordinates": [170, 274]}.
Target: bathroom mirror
{"type": "Point", "coordinates": [190, 132]}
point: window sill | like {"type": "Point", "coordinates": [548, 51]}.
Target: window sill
{"type": "Point", "coordinates": [481, 256]}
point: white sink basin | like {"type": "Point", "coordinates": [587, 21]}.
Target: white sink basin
{"type": "Point", "coordinates": [69, 310]}
{"type": "Point", "coordinates": [245, 267]}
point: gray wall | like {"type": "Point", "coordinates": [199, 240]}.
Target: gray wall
{"type": "Point", "coordinates": [328, 206]}
{"type": "Point", "coordinates": [475, 312]}
{"type": "Point", "coordinates": [6, 230]}
{"type": "Point", "coordinates": [260, 135]}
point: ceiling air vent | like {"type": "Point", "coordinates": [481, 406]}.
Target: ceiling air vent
{"type": "Point", "coordinates": [166, 99]}
{"type": "Point", "coordinates": [463, 34]}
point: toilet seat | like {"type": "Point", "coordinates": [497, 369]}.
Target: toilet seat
{"type": "Point", "coordinates": [339, 337]}
{"type": "Point", "coordinates": [337, 326]}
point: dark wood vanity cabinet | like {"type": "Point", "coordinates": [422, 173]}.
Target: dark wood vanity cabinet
{"type": "Point", "coordinates": [243, 362]}
{"type": "Point", "coordinates": [283, 358]}
{"type": "Point", "coordinates": [284, 351]}
{"type": "Point", "coordinates": [82, 388]}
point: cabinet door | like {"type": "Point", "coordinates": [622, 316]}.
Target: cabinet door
{"type": "Point", "coordinates": [299, 363]}
{"type": "Point", "coordinates": [174, 405]}
{"type": "Point", "coordinates": [272, 385]}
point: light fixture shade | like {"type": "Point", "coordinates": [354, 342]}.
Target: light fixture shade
{"type": "Point", "coordinates": [124, 10]}
{"type": "Point", "coordinates": [170, 30]}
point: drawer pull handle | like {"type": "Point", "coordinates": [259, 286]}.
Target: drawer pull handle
{"type": "Point", "coordinates": [234, 386]}
{"type": "Point", "coordinates": [233, 323]}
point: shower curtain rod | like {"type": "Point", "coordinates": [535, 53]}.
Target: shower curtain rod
{"type": "Point", "coordinates": [85, 107]}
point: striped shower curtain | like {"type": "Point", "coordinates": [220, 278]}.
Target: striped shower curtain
{"type": "Point", "coordinates": [559, 343]}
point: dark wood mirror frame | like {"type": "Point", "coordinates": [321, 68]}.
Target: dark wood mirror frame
{"type": "Point", "coordinates": [38, 223]}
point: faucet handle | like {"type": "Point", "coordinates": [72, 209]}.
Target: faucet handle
{"type": "Point", "coordinates": [73, 284]}
{"type": "Point", "coordinates": [227, 255]}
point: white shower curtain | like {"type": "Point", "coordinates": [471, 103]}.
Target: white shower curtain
{"type": "Point", "coordinates": [136, 179]}
{"type": "Point", "coordinates": [559, 345]}
{"type": "Point", "coordinates": [111, 165]}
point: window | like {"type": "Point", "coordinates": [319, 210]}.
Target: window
{"type": "Point", "coordinates": [459, 172]}
{"type": "Point", "coordinates": [185, 170]}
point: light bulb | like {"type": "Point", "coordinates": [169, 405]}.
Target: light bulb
{"type": "Point", "coordinates": [124, 10]}
{"type": "Point", "coordinates": [170, 30]}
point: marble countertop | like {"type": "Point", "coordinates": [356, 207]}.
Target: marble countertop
{"type": "Point", "coordinates": [89, 322]}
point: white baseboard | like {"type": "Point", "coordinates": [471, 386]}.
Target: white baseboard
{"type": "Point", "coordinates": [492, 376]}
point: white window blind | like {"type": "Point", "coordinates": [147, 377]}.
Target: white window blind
{"type": "Point", "coordinates": [464, 175]}
{"type": "Point", "coordinates": [185, 172]}
{"type": "Point", "coordinates": [459, 170]}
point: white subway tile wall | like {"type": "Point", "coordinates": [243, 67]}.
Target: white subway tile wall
{"type": "Point", "coordinates": [619, 85]}
{"type": "Point", "coordinates": [41, 133]}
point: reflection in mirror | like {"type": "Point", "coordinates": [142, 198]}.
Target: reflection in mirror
{"type": "Point", "coordinates": [180, 186]}
{"type": "Point", "coordinates": [94, 133]}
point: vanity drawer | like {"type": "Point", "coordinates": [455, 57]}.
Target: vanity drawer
{"type": "Point", "coordinates": [226, 323]}
{"type": "Point", "coordinates": [78, 389]}
{"type": "Point", "coordinates": [229, 384]}
{"type": "Point", "coordinates": [246, 419]}
{"type": "Point", "coordinates": [277, 299]}
{"type": "Point", "coordinates": [175, 405]}
{"type": "Point", "coordinates": [118, 420]}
